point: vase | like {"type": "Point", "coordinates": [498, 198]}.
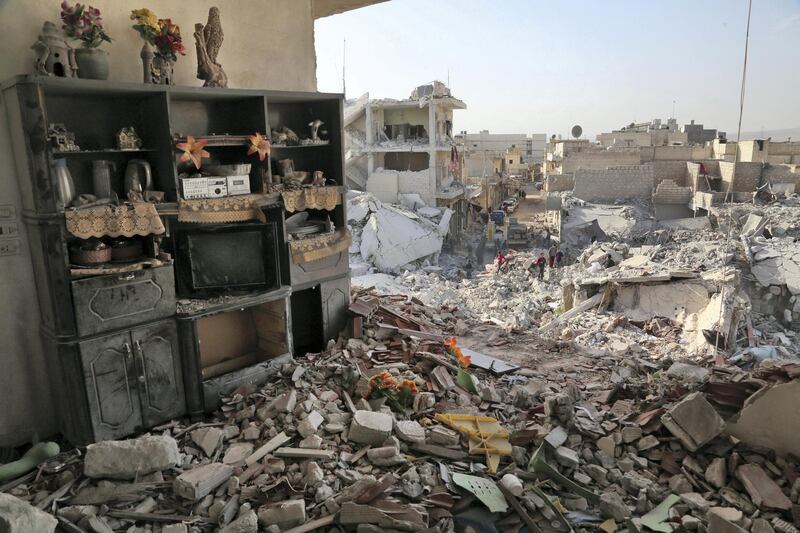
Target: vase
{"type": "Point", "coordinates": [92, 63]}
{"type": "Point", "coordinates": [147, 62]}
{"type": "Point", "coordinates": [162, 70]}
{"type": "Point", "coordinates": [65, 187]}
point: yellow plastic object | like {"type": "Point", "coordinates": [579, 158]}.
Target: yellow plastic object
{"type": "Point", "coordinates": [485, 434]}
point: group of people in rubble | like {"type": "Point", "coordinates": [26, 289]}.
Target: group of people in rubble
{"type": "Point", "coordinates": [555, 258]}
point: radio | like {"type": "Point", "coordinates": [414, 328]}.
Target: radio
{"type": "Point", "coordinates": [217, 187]}
{"type": "Point", "coordinates": [213, 187]}
{"type": "Point", "coordinates": [194, 188]}
{"type": "Point", "coordinates": [238, 185]}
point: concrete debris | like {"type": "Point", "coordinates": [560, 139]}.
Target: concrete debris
{"type": "Point", "coordinates": [622, 393]}
{"type": "Point", "coordinates": [18, 516]}
{"type": "Point", "coordinates": [128, 459]}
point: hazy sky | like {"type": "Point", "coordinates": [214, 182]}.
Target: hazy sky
{"type": "Point", "coordinates": [526, 66]}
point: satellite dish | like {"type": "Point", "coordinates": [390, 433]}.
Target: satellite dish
{"type": "Point", "coordinates": [576, 131]}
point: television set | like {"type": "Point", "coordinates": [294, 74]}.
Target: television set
{"type": "Point", "coordinates": [211, 260]}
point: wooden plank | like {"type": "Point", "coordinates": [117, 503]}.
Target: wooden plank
{"type": "Point", "coordinates": [302, 453]}
{"type": "Point", "coordinates": [580, 308]}
{"type": "Point", "coordinates": [440, 451]}
{"type": "Point", "coordinates": [314, 524]}
{"type": "Point", "coordinates": [520, 510]}
{"type": "Point", "coordinates": [273, 444]}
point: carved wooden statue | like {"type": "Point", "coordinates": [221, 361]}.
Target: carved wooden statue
{"type": "Point", "coordinates": [208, 39]}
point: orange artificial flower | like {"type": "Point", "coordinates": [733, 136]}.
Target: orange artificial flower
{"type": "Point", "coordinates": [407, 386]}
{"type": "Point", "coordinates": [450, 342]}
{"type": "Point", "coordinates": [259, 144]}
{"type": "Point", "coordinates": [381, 381]}
{"type": "Point", "coordinates": [193, 151]}
{"type": "Point", "coordinates": [463, 360]}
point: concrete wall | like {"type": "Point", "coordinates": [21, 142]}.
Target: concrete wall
{"type": "Point", "coordinates": [746, 179]}
{"type": "Point", "coordinates": [669, 192]}
{"type": "Point", "coordinates": [598, 160]}
{"type": "Point", "coordinates": [782, 174]}
{"type": "Point", "coordinates": [406, 115]}
{"type": "Point", "coordinates": [675, 153]}
{"type": "Point", "coordinates": [669, 170]}
{"type": "Point", "coordinates": [608, 185]}
{"type": "Point", "coordinates": [559, 182]}
{"type": "Point", "coordinates": [268, 44]}
{"type": "Point", "coordinates": [387, 184]}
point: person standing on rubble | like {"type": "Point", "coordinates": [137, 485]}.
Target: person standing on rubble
{"type": "Point", "coordinates": [468, 269]}
{"type": "Point", "coordinates": [552, 255]}
{"type": "Point", "coordinates": [541, 262]}
{"type": "Point", "coordinates": [559, 257]}
{"type": "Point", "coordinates": [501, 260]}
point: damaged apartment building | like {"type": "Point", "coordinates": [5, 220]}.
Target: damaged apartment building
{"type": "Point", "coordinates": [396, 148]}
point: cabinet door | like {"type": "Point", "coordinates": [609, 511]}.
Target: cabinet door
{"type": "Point", "coordinates": [111, 385]}
{"type": "Point", "coordinates": [158, 368]}
{"type": "Point", "coordinates": [335, 296]}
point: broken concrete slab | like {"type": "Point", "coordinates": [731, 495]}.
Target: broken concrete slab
{"type": "Point", "coordinates": [207, 439]}
{"type": "Point", "coordinates": [18, 516]}
{"type": "Point", "coordinates": [613, 506]}
{"type": "Point", "coordinates": [718, 524]}
{"type": "Point", "coordinates": [694, 421]}
{"type": "Point", "coordinates": [410, 431]}
{"type": "Point", "coordinates": [687, 372]}
{"type": "Point", "coordinates": [237, 453]}
{"type": "Point", "coordinates": [370, 427]}
{"type": "Point", "coordinates": [197, 482]}
{"type": "Point", "coordinates": [309, 425]}
{"type": "Point", "coordinates": [769, 419]}
{"type": "Point", "coordinates": [127, 459]}
{"type": "Point", "coordinates": [717, 472]}
{"type": "Point", "coordinates": [245, 523]}
{"type": "Point", "coordinates": [761, 488]}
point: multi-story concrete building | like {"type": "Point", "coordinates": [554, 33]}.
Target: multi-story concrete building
{"type": "Point", "coordinates": [512, 153]}
{"type": "Point", "coordinates": [395, 147]}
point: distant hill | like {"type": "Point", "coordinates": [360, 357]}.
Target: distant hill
{"type": "Point", "coordinates": [776, 135]}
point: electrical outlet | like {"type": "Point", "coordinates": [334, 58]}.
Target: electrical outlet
{"type": "Point", "coordinates": [8, 211]}
{"type": "Point", "coordinates": [9, 229]}
{"type": "Point", "coordinates": [9, 247]}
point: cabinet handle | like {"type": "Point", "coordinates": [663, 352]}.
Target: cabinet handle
{"type": "Point", "coordinates": [142, 376]}
{"type": "Point", "coordinates": [126, 277]}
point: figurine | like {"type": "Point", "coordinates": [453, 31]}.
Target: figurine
{"type": "Point", "coordinates": [61, 139]}
{"type": "Point", "coordinates": [127, 139]}
{"type": "Point", "coordinates": [319, 179]}
{"type": "Point", "coordinates": [315, 129]}
{"type": "Point", "coordinates": [54, 57]}
{"type": "Point", "coordinates": [208, 40]}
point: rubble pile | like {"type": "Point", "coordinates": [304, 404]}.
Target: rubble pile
{"type": "Point", "coordinates": [392, 238]}
{"type": "Point", "coordinates": [384, 432]}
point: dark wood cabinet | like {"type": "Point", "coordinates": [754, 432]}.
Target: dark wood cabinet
{"type": "Point", "coordinates": [119, 361]}
{"type": "Point", "coordinates": [104, 303]}
{"type": "Point", "coordinates": [111, 388]}
{"type": "Point", "coordinates": [132, 379]}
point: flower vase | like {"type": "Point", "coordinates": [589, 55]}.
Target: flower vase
{"type": "Point", "coordinates": [163, 70]}
{"type": "Point", "coordinates": [147, 62]}
{"type": "Point", "coordinates": [92, 63]}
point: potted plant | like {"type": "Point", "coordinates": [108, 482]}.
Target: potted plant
{"type": "Point", "coordinates": [83, 22]}
{"type": "Point", "coordinates": [163, 36]}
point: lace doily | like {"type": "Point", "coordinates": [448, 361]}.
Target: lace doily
{"type": "Point", "coordinates": [127, 220]}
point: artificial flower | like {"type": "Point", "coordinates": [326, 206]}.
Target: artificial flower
{"type": "Point", "coordinates": [463, 360]}
{"type": "Point", "coordinates": [84, 23]}
{"type": "Point", "coordinates": [259, 144]}
{"type": "Point", "coordinates": [169, 41]}
{"type": "Point", "coordinates": [193, 151]}
{"type": "Point", "coordinates": [382, 381]}
{"type": "Point", "coordinates": [407, 386]}
{"type": "Point", "coordinates": [450, 342]}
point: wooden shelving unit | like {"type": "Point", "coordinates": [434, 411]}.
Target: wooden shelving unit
{"type": "Point", "coordinates": [117, 370]}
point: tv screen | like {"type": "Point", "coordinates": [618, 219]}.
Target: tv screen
{"type": "Point", "coordinates": [220, 259]}
{"type": "Point", "coordinates": [216, 259]}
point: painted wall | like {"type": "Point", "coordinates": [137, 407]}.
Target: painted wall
{"type": "Point", "coordinates": [406, 115]}
{"type": "Point", "coordinates": [268, 44]}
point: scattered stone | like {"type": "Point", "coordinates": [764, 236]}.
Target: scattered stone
{"type": "Point", "coordinates": [285, 515]}
{"type": "Point", "coordinates": [717, 524]}
{"type": "Point", "coordinates": [607, 445]}
{"type": "Point", "coordinates": [646, 443]}
{"type": "Point", "coordinates": [631, 434]}
{"type": "Point", "coordinates": [313, 442]}
{"type": "Point", "coordinates": [18, 516]}
{"type": "Point", "coordinates": [567, 457]}
{"type": "Point", "coordinates": [310, 424]}
{"type": "Point", "coordinates": [369, 427]}
{"type": "Point", "coordinates": [695, 501]}
{"type": "Point", "coordinates": [237, 453]}
{"type": "Point", "coordinates": [207, 439]}
{"type": "Point", "coordinates": [687, 372]}
{"type": "Point", "coordinates": [246, 523]}
{"type": "Point", "coordinates": [199, 481]}
{"type": "Point", "coordinates": [409, 431]}
{"type": "Point", "coordinates": [127, 459]}
{"type": "Point", "coordinates": [717, 472]}
{"type": "Point", "coordinates": [694, 421]}
{"type": "Point", "coordinates": [612, 506]}
{"type": "Point", "coordinates": [442, 436]}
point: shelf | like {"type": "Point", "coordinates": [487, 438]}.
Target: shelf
{"type": "Point", "coordinates": [284, 146]}
{"type": "Point", "coordinates": [107, 151]}
{"type": "Point", "coordinates": [194, 308]}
